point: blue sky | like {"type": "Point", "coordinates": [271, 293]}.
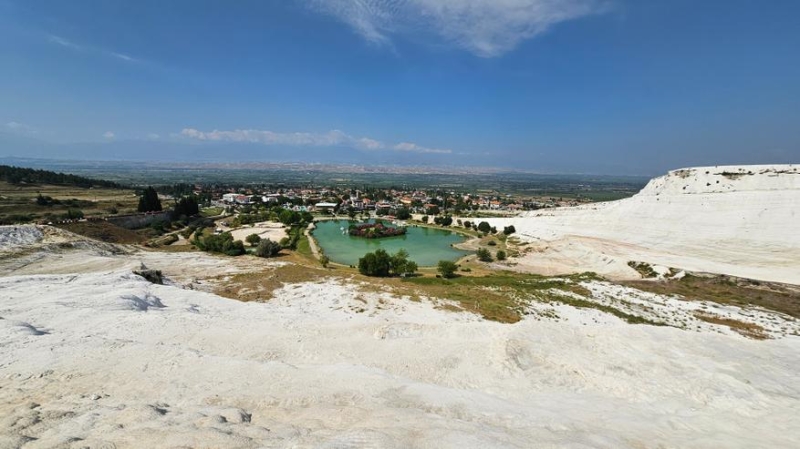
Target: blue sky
{"type": "Point", "coordinates": [602, 86]}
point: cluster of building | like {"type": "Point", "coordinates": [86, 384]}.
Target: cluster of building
{"type": "Point", "coordinates": [381, 200]}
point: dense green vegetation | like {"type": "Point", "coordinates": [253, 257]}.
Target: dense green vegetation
{"type": "Point", "coordinates": [267, 248]}
{"type": "Point", "coordinates": [221, 243]}
{"type": "Point", "coordinates": [148, 201]}
{"type": "Point", "coordinates": [381, 264]}
{"type": "Point", "coordinates": [375, 230]}
{"type": "Point", "coordinates": [447, 268]}
{"type": "Point", "coordinates": [19, 175]}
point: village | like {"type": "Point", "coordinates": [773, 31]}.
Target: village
{"type": "Point", "coordinates": [389, 202]}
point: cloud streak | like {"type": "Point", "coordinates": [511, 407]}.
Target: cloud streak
{"type": "Point", "coordinates": [414, 148]}
{"type": "Point", "coordinates": [487, 28]}
{"type": "Point", "coordinates": [22, 128]}
{"type": "Point", "coordinates": [333, 138]}
{"type": "Point", "coordinates": [58, 40]}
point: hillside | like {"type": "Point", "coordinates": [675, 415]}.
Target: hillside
{"type": "Point", "coordinates": [95, 356]}
{"type": "Point", "coordinates": [736, 220]}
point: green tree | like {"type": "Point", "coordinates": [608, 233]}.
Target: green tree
{"type": "Point", "coordinates": [484, 227]}
{"type": "Point", "coordinates": [253, 239]}
{"type": "Point", "coordinates": [403, 214]}
{"type": "Point", "coordinates": [186, 206]}
{"type": "Point", "coordinates": [425, 218]}
{"type": "Point", "coordinates": [501, 255]}
{"type": "Point", "coordinates": [288, 216]}
{"type": "Point", "coordinates": [447, 268]}
{"type": "Point", "coordinates": [508, 230]}
{"type": "Point", "coordinates": [484, 255]}
{"type": "Point", "coordinates": [149, 201]}
{"type": "Point", "coordinates": [268, 248]}
{"type": "Point", "coordinates": [74, 214]}
{"type": "Point", "coordinates": [375, 264]}
{"type": "Point", "coordinates": [324, 261]}
{"type": "Point", "coordinates": [400, 264]}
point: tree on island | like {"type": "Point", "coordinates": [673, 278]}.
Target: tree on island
{"type": "Point", "coordinates": [374, 230]}
{"type": "Point", "coordinates": [149, 201]}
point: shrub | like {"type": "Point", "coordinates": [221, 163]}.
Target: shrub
{"type": "Point", "coordinates": [401, 265]}
{"type": "Point", "coordinates": [253, 239]}
{"type": "Point", "coordinates": [375, 264]}
{"type": "Point", "coordinates": [267, 248]}
{"type": "Point", "coordinates": [381, 264]}
{"type": "Point", "coordinates": [222, 243]}
{"type": "Point", "coordinates": [501, 255]}
{"type": "Point", "coordinates": [447, 268]}
{"type": "Point", "coordinates": [403, 214]}
{"type": "Point", "coordinates": [508, 230]}
{"type": "Point", "coordinates": [425, 218]}
{"type": "Point", "coordinates": [324, 261]}
{"type": "Point", "coordinates": [484, 227]}
{"type": "Point", "coordinates": [492, 243]}
{"type": "Point", "coordinates": [484, 255]}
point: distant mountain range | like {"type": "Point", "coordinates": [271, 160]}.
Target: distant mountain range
{"type": "Point", "coordinates": [16, 146]}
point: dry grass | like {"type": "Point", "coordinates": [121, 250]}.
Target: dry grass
{"type": "Point", "coordinates": [21, 200]}
{"type": "Point", "coordinates": [104, 231]}
{"type": "Point", "coordinates": [728, 290]}
{"type": "Point", "coordinates": [259, 285]}
{"type": "Point", "coordinates": [749, 330]}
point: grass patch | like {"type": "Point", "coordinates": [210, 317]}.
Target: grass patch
{"type": "Point", "coordinates": [260, 285]}
{"type": "Point", "coordinates": [304, 247]}
{"type": "Point", "coordinates": [18, 202]}
{"type": "Point", "coordinates": [104, 231]}
{"type": "Point", "coordinates": [211, 211]}
{"type": "Point", "coordinates": [729, 291]}
{"type": "Point", "coordinates": [749, 330]}
{"type": "Point", "coordinates": [643, 268]}
{"type": "Point", "coordinates": [504, 296]}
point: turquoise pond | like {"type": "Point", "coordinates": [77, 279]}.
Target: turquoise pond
{"type": "Point", "coordinates": [425, 246]}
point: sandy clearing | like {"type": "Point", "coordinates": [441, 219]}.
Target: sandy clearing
{"type": "Point", "coordinates": [266, 230]}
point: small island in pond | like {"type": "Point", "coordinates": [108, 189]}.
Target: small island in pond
{"type": "Point", "coordinates": [375, 230]}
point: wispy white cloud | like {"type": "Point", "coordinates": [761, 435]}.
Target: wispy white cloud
{"type": "Point", "coordinates": [109, 135]}
{"type": "Point", "coordinates": [58, 40]}
{"type": "Point", "coordinates": [153, 136]}
{"type": "Point", "coordinates": [66, 43]}
{"type": "Point", "coordinates": [414, 148]}
{"type": "Point", "coordinates": [18, 127]}
{"type": "Point", "coordinates": [330, 138]}
{"type": "Point", "coordinates": [486, 28]}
